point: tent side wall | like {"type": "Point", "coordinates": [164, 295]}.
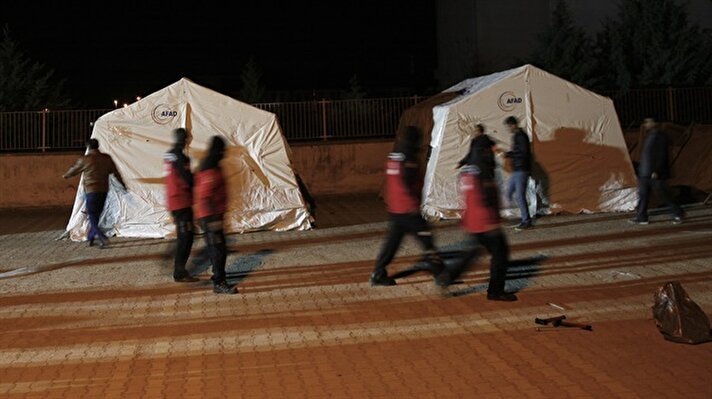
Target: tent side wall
{"type": "Point", "coordinates": [262, 190]}
{"type": "Point", "coordinates": [452, 133]}
{"type": "Point", "coordinates": [581, 162]}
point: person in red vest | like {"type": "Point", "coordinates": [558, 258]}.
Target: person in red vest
{"type": "Point", "coordinates": [210, 206]}
{"type": "Point", "coordinates": [179, 194]}
{"type": "Point", "coordinates": [481, 218]}
{"type": "Point", "coordinates": [402, 195]}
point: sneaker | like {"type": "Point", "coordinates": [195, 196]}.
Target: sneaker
{"type": "Point", "coordinates": [381, 279]}
{"type": "Point", "coordinates": [638, 221]}
{"type": "Point", "coordinates": [224, 288]}
{"type": "Point", "coordinates": [185, 279]}
{"type": "Point", "coordinates": [505, 296]}
{"type": "Point", "coordinates": [677, 220]}
{"type": "Point", "coordinates": [523, 226]}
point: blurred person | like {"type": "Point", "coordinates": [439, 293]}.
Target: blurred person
{"type": "Point", "coordinates": [481, 219]}
{"type": "Point", "coordinates": [96, 167]}
{"type": "Point", "coordinates": [653, 171]}
{"type": "Point", "coordinates": [210, 206]}
{"type": "Point", "coordinates": [521, 158]}
{"type": "Point", "coordinates": [403, 195]}
{"type": "Point", "coordinates": [179, 195]}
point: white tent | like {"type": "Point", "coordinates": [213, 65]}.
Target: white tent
{"type": "Point", "coordinates": [262, 190]}
{"type": "Point", "coordinates": [581, 161]}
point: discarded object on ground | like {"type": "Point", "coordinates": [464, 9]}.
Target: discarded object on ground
{"type": "Point", "coordinates": [678, 317]}
{"type": "Point", "coordinates": [558, 321]}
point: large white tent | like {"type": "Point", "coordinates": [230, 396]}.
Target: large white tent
{"type": "Point", "coordinates": [581, 161]}
{"type": "Point", "coordinates": [262, 190]}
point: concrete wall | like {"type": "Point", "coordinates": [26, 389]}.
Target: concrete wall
{"type": "Point", "coordinates": [35, 180]}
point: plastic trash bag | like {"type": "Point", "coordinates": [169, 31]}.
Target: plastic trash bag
{"type": "Point", "coordinates": [678, 317]}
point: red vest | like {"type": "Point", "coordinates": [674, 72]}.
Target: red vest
{"type": "Point", "coordinates": [479, 216]}
{"type": "Point", "coordinates": [210, 194]}
{"type": "Point", "coordinates": [178, 192]}
{"type": "Point", "coordinates": [399, 198]}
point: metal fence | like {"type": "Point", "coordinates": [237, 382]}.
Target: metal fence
{"type": "Point", "coordinates": [338, 119]}
{"type": "Point", "coordinates": [684, 106]}
{"type": "Point", "coordinates": [301, 121]}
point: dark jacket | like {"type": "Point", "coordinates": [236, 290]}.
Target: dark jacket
{"type": "Point", "coordinates": [521, 153]}
{"type": "Point", "coordinates": [481, 155]}
{"type": "Point", "coordinates": [654, 157]}
{"type": "Point", "coordinates": [96, 167]}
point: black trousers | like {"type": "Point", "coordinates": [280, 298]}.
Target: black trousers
{"type": "Point", "coordinates": [495, 242]}
{"type": "Point", "coordinates": [645, 185]}
{"type": "Point", "coordinates": [402, 224]}
{"type": "Point", "coordinates": [183, 219]}
{"type": "Point", "coordinates": [217, 249]}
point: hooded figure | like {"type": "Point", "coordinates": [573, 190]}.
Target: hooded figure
{"type": "Point", "coordinates": [210, 205]}
{"type": "Point", "coordinates": [179, 196]}
{"type": "Point", "coordinates": [403, 192]}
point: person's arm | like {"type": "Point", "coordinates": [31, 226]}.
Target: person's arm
{"type": "Point", "coordinates": [206, 188]}
{"type": "Point", "coordinates": [410, 177]}
{"type": "Point", "coordinates": [76, 169]}
{"type": "Point", "coordinates": [180, 165]}
{"type": "Point", "coordinates": [660, 146]}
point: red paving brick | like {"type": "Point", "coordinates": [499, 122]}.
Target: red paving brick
{"type": "Point", "coordinates": [314, 328]}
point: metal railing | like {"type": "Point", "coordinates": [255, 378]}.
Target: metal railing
{"type": "Point", "coordinates": [300, 121]}
{"type": "Point", "coordinates": [684, 105]}
{"type": "Point", "coordinates": [42, 131]}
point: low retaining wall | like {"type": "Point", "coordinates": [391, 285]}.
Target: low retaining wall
{"type": "Point", "coordinates": [35, 180]}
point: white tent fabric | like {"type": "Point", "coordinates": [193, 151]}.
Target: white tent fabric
{"type": "Point", "coordinates": [262, 189]}
{"type": "Point", "coordinates": [581, 160]}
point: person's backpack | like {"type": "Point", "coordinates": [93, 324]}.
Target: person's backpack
{"type": "Point", "coordinates": [678, 317]}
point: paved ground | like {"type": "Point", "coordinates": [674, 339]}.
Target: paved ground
{"type": "Point", "coordinates": [83, 322]}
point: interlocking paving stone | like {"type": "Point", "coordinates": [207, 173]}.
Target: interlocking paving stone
{"type": "Point", "coordinates": [82, 322]}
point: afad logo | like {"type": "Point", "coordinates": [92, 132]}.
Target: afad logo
{"type": "Point", "coordinates": [163, 114]}
{"type": "Point", "coordinates": [507, 101]}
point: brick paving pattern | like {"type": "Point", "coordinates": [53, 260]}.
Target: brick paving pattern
{"type": "Point", "coordinates": [79, 322]}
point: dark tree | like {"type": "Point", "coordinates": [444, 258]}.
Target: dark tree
{"type": "Point", "coordinates": [565, 50]}
{"type": "Point", "coordinates": [355, 91]}
{"type": "Point", "coordinates": [26, 85]}
{"type": "Point", "coordinates": [252, 90]}
{"type": "Point", "coordinates": [652, 43]}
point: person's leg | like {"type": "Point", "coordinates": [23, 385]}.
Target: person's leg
{"type": "Point", "coordinates": [217, 250]}
{"type": "Point", "coordinates": [496, 243]}
{"type": "Point", "coordinates": [452, 273]}
{"type": "Point", "coordinates": [184, 230]}
{"type": "Point", "coordinates": [388, 251]}
{"type": "Point", "coordinates": [643, 194]}
{"type": "Point", "coordinates": [93, 215]}
{"type": "Point", "coordinates": [100, 202]}
{"type": "Point", "coordinates": [418, 226]}
{"type": "Point", "coordinates": [511, 186]}
{"type": "Point", "coordinates": [663, 192]}
{"type": "Point", "coordinates": [521, 180]}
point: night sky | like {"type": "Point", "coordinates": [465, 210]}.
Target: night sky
{"type": "Point", "coordinates": [129, 49]}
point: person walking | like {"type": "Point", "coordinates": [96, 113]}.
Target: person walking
{"type": "Point", "coordinates": [481, 220]}
{"type": "Point", "coordinates": [653, 171]}
{"type": "Point", "coordinates": [96, 167]}
{"type": "Point", "coordinates": [179, 196]}
{"type": "Point", "coordinates": [402, 195]}
{"type": "Point", "coordinates": [521, 158]}
{"type": "Point", "coordinates": [210, 206]}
